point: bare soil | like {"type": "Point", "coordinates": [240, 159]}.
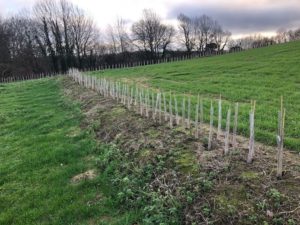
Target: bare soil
{"type": "Point", "coordinates": [241, 194]}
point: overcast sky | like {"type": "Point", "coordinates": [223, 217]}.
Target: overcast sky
{"type": "Point", "coordinates": [239, 16]}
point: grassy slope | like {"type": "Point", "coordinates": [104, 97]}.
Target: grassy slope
{"type": "Point", "coordinates": [42, 148]}
{"type": "Point", "coordinates": [261, 74]}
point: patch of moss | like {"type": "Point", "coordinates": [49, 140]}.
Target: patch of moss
{"type": "Point", "coordinates": [186, 162]}
{"type": "Point", "coordinates": [153, 133]}
{"type": "Point", "coordinates": [181, 129]}
{"type": "Point", "coordinates": [117, 111]}
{"type": "Point", "coordinates": [227, 205]}
{"type": "Point", "coordinates": [249, 175]}
{"type": "Point", "coordinates": [232, 199]}
{"type": "Point", "coordinates": [145, 153]}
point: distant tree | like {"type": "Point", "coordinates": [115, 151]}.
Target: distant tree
{"type": "Point", "coordinates": [118, 38]}
{"type": "Point", "coordinates": [4, 49]}
{"type": "Point", "coordinates": [65, 33]}
{"type": "Point", "coordinates": [187, 31]}
{"type": "Point", "coordinates": [294, 34]}
{"type": "Point", "coordinates": [219, 36]}
{"type": "Point", "coordinates": [281, 35]}
{"type": "Point", "coordinates": [204, 30]}
{"type": "Point", "coordinates": [150, 35]}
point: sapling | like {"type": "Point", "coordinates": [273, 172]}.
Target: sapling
{"type": "Point", "coordinates": [280, 139]}
{"type": "Point", "coordinates": [170, 111]}
{"type": "Point", "coordinates": [128, 97]}
{"type": "Point", "coordinates": [197, 118]}
{"type": "Point", "coordinates": [147, 103]}
{"type": "Point", "coordinates": [251, 141]}
{"type": "Point", "coordinates": [141, 104]}
{"type": "Point", "coordinates": [159, 111]}
{"type": "Point", "coordinates": [165, 107]}
{"type": "Point", "coordinates": [136, 95]}
{"type": "Point", "coordinates": [153, 101]}
{"type": "Point", "coordinates": [183, 111]}
{"type": "Point", "coordinates": [189, 113]}
{"type": "Point", "coordinates": [227, 132]}
{"type": "Point", "coordinates": [155, 110]}
{"type": "Point", "coordinates": [235, 125]}
{"type": "Point", "coordinates": [176, 110]}
{"type": "Point", "coordinates": [201, 115]}
{"type": "Point", "coordinates": [210, 135]}
{"type": "Point", "coordinates": [219, 119]}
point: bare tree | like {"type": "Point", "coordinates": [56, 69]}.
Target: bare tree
{"type": "Point", "coordinates": [151, 35]}
{"type": "Point", "coordinates": [187, 30]}
{"type": "Point", "coordinates": [65, 33]}
{"type": "Point", "coordinates": [281, 35]}
{"type": "Point", "coordinates": [219, 36]}
{"type": "Point", "coordinates": [204, 29]}
{"type": "Point", "coordinates": [118, 37]}
{"type": "Point", "coordinates": [4, 49]}
{"type": "Point", "coordinates": [294, 35]}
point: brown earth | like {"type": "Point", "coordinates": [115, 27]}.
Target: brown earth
{"type": "Point", "coordinates": [241, 193]}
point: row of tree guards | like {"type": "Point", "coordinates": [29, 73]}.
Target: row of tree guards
{"type": "Point", "coordinates": [176, 110]}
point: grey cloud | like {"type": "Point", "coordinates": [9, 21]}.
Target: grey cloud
{"type": "Point", "coordinates": [242, 21]}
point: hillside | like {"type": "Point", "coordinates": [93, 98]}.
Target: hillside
{"type": "Point", "coordinates": [262, 74]}
{"type": "Point", "coordinates": [72, 156]}
{"type": "Point", "coordinates": [47, 161]}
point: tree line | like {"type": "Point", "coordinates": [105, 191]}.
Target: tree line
{"type": "Point", "coordinates": [57, 35]}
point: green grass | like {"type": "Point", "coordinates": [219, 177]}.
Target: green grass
{"type": "Point", "coordinates": [260, 74]}
{"type": "Point", "coordinates": [41, 148]}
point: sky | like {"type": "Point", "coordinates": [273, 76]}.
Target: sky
{"type": "Point", "coordinates": [241, 17]}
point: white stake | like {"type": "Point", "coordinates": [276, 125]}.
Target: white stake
{"type": "Point", "coordinates": [227, 133]}
{"type": "Point", "coordinates": [210, 126]}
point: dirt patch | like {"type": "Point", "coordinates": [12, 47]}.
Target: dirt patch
{"type": "Point", "coordinates": [236, 192]}
{"type": "Point", "coordinates": [88, 175]}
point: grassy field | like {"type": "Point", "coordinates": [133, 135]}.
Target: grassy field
{"type": "Point", "coordinates": [52, 132]}
{"type": "Point", "coordinates": [260, 74]}
{"type": "Point", "coordinates": [42, 148]}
